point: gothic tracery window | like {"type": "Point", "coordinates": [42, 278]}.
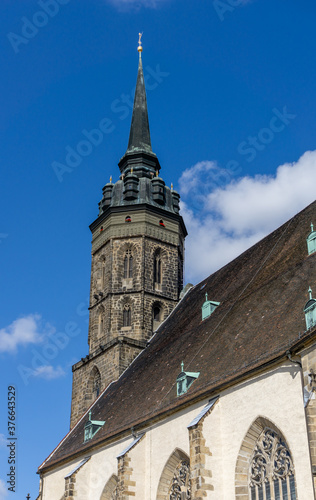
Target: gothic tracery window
{"type": "Point", "coordinates": [128, 265]}
{"type": "Point", "coordinates": [271, 469]}
{"type": "Point", "coordinates": [127, 316]}
{"type": "Point", "coordinates": [180, 488]}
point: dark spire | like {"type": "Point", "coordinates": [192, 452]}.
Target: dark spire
{"type": "Point", "coordinates": [139, 137]}
{"type": "Point", "coordinates": [139, 155]}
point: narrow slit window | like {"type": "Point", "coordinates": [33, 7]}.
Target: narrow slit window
{"type": "Point", "coordinates": [128, 265]}
{"type": "Point", "coordinates": [127, 317]}
{"type": "Point", "coordinates": [157, 268]}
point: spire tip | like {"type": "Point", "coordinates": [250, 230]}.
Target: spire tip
{"type": "Point", "coordinates": [140, 48]}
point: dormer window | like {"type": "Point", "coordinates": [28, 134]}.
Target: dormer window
{"type": "Point", "coordinates": [311, 241]}
{"type": "Point", "coordinates": [310, 311]}
{"type": "Point", "coordinates": [185, 380]}
{"type": "Point", "coordinates": [92, 427]}
{"type": "Point", "coordinates": [208, 307]}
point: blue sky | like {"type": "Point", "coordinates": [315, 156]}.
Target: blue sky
{"type": "Point", "coordinates": [231, 97]}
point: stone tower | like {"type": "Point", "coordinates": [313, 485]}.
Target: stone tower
{"type": "Point", "coordinates": [137, 262]}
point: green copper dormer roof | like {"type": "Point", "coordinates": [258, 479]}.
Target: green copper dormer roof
{"type": "Point", "coordinates": [311, 240]}
{"type": "Point", "coordinates": [92, 427]}
{"type": "Point", "coordinates": [185, 380]}
{"type": "Point", "coordinates": [208, 307]}
{"type": "Point", "coordinates": [310, 311]}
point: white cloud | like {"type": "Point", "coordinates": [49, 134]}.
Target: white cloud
{"type": "Point", "coordinates": [48, 372]}
{"type": "Point", "coordinates": [3, 490]}
{"type": "Point", "coordinates": [22, 331]}
{"type": "Point", "coordinates": [225, 216]}
{"type": "Point", "coordinates": [3, 441]}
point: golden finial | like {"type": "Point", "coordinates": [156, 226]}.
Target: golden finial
{"type": "Point", "coordinates": [156, 173]}
{"type": "Point", "coordinates": [171, 185]}
{"type": "Point", "coordinates": [140, 48]}
{"type": "Point", "coordinates": [132, 170]}
{"type": "Point", "coordinates": [111, 179]}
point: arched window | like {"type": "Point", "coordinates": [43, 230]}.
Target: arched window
{"type": "Point", "coordinates": [157, 268]}
{"type": "Point", "coordinates": [110, 490]}
{"type": "Point", "coordinates": [128, 265]}
{"type": "Point", "coordinates": [127, 316]}
{"type": "Point", "coordinates": [157, 316]}
{"type": "Point", "coordinates": [96, 384]}
{"type": "Point", "coordinates": [264, 465]}
{"type": "Point", "coordinates": [175, 481]}
{"type": "Point", "coordinates": [93, 384]}
{"type": "Point", "coordinates": [156, 313]}
{"type": "Point", "coordinates": [271, 468]}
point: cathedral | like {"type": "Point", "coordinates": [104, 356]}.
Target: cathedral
{"type": "Point", "coordinates": [202, 391]}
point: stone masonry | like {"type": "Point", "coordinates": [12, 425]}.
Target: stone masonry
{"type": "Point", "coordinates": [200, 475]}
{"type": "Point", "coordinates": [308, 358]}
{"type": "Point", "coordinates": [113, 346]}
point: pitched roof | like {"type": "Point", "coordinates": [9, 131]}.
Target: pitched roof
{"type": "Point", "coordinates": [262, 294]}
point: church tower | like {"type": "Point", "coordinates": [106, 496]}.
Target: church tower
{"type": "Point", "coordinates": [137, 262]}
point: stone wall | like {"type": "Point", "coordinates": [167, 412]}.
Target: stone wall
{"type": "Point", "coordinates": [224, 444]}
{"type": "Point", "coordinates": [200, 474]}
{"type": "Point", "coordinates": [309, 369]}
{"type": "Point", "coordinates": [111, 292]}
{"type": "Point", "coordinates": [110, 363]}
{"type": "Point", "coordinates": [125, 485]}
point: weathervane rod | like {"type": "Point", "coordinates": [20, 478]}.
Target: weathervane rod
{"type": "Point", "coordinates": [140, 48]}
